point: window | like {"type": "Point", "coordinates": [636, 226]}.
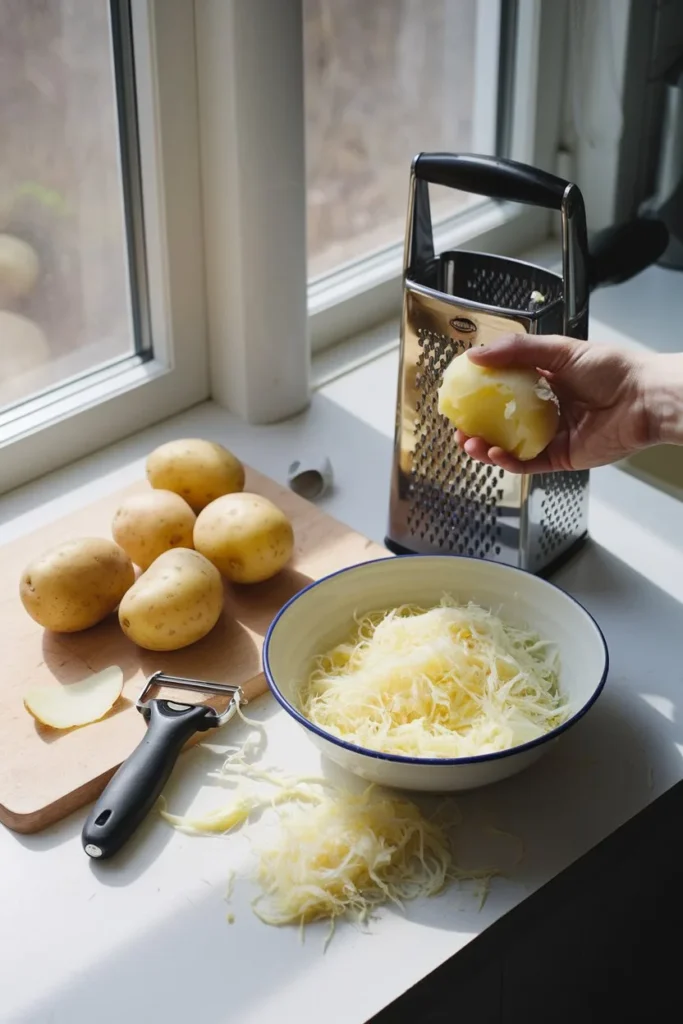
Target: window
{"type": "Point", "coordinates": [158, 197]}
{"type": "Point", "coordinates": [102, 321]}
{"type": "Point", "coordinates": [65, 302]}
{"type": "Point", "coordinates": [387, 79]}
{"type": "Point", "coordinates": [382, 81]}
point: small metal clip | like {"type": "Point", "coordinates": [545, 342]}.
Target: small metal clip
{"type": "Point", "coordinates": [235, 693]}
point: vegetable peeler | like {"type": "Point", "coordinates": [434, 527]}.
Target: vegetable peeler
{"type": "Point", "coordinates": [134, 789]}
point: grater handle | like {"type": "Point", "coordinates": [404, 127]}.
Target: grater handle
{"type": "Point", "coordinates": [513, 182]}
{"type": "Point", "coordinates": [493, 177]}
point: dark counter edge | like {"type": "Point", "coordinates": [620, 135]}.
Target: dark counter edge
{"type": "Point", "coordinates": [602, 941]}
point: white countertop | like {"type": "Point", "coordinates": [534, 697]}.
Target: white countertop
{"type": "Point", "coordinates": [145, 937]}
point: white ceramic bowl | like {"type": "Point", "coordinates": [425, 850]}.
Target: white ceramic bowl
{"type": "Point", "coordinates": [321, 615]}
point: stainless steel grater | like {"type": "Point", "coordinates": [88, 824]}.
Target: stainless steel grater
{"type": "Point", "coordinates": [442, 501]}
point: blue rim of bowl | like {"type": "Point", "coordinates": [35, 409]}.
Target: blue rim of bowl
{"type": "Point", "coordinates": [445, 761]}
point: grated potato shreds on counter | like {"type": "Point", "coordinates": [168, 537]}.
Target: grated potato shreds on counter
{"type": "Point", "coordinates": [347, 855]}
{"type": "Point", "coordinates": [334, 853]}
{"type": "Point", "coordinates": [445, 682]}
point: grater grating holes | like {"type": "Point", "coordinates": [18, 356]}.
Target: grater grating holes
{"type": "Point", "coordinates": [439, 509]}
{"type": "Point", "coordinates": [562, 510]}
{"type": "Point", "coordinates": [492, 285]}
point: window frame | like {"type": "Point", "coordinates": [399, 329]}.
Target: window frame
{"type": "Point", "coordinates": [97, 408]}
{"type": "Point", "coordinates": [616, 147]}
{"type": "Point", "coordinates": [231, 313]}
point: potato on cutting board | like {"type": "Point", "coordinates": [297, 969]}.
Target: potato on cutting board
{"type": "Point", "coordinates": [176, 602]}
{"type": "Point", "coordinates": [513, 409]}
{"type": "Point", "coordinates": [44, 778]}
{"type": "Point", "coordinates": [246, 536]}
{"type": "Point", "coordinates": [77, 584]}
{"type": "Point", "coordinates": [146, 525]}
{"type": "Point", "coordinates": [199, 471]}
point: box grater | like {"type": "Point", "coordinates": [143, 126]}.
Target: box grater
{"type": "Point", "coordinates": [442, 501]}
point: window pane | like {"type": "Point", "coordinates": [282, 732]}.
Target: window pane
{"type": "Point", "coordinates": [64, 287]}
{"type": "Point", "coordinates": [384, 79]}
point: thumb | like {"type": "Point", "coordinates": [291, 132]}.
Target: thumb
{"type": "Point", "coordinates": [550, 352]}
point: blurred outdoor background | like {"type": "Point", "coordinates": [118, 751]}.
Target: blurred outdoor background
{"type": "Point", "coordinates": [384, 79]}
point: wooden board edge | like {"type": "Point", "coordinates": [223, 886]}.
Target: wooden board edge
{"type": "Point", "coordinates": [30, 822]}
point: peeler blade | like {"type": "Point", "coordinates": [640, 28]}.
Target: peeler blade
{"type": "Point", "coordinates": [159, 679]}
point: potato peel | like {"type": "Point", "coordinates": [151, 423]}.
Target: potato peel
{"type": "Point", "coordinates": [65, 706]}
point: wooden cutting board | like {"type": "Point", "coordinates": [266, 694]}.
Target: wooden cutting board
{"type": "Point", "coordinates": [46, 774]}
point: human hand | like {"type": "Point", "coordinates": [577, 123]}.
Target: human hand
{"type": "Point", "coordinates": [604, 411]}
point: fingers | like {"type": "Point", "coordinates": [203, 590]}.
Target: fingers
{"type": "Point", "coordinates": [550, 352]}
{"type": "Point", "coordinates": [477, 448]}
{"type": "Point", "coordinates": [509, 463]}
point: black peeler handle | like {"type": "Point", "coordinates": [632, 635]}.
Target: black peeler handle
{"type": "Point", "coordinates": [133, 790]}
{"type": "Point", "coordinates": [493, 177]}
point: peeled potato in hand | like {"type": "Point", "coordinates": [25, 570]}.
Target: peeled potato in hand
{"type": "Point", "coordinates": [512, 409]}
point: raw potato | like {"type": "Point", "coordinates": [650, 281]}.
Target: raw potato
{"type": "Point", "coordinates": [146, 525]}
{"type": "Point", "coordinates": [513, 409]}
{"type": "Point", "coordinates": [246, 536]}
{"type": "Point", "coordinates": [176, 602]}
{"type": "Point", "coordinates": [19, 268]}
{"type": "Point", "coordinates": [199, 471]}
{"type": "Point", "coordinates": [65, 706]}
{"type": "Point", "coordinates": [76, 584]}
